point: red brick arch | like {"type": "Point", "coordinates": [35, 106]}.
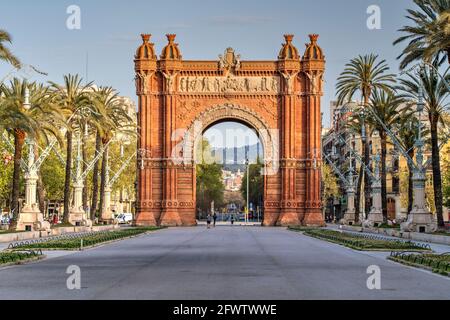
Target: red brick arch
{"type": "Point", "coordinates": [179, 99]}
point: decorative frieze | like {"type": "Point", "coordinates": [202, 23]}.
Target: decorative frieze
{"type": "Point", "coordinates": [229, 84]}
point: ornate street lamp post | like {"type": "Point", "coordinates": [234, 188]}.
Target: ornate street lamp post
{"type": "Point", "coordinates": [375, 217]}
{"type": "Point", "coordinates": [77, 214]}
{"type": "Point", "coordinates": [419, 219]}
{"type": "Point", "coordinates": [30, 216]}
{"type": "Point", "coordinates": [248, 184]}
{"type": "Point", "coordinates": [349, 216]}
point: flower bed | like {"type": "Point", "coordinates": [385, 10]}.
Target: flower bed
{"type": "Point", "coordinates": [438, 263]}
{"type": "Point", "coordinates": [80, 241]}
{"type": "Point", "coordinates": [366, 242]}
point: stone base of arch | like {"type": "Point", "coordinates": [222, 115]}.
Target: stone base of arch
{"type": "Point", "coordinates": [289, 217]}
{"type": "Point", "coordinates": [171, 218]}
{"type": "Point", "coordinates": [146, 219]}
{"type": "Point", "coordinates": [313, 217]}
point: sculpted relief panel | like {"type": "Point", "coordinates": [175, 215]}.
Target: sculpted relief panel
{"type": "Point", "coordinates": [229, 84]}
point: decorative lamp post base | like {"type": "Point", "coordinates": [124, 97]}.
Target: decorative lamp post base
{"type": "Point", "coordinates": [374, 219]}
{"type": "Point", "coordinates": [31, 219]}
{"type": "Point", "coordinates": [108, 218]}
{"type": "Point", "coordinates": [348, 219]}
{"type": "Point", "coordinates": [419, 221]}
{"type": "Point", "coordinates": [79, 218]}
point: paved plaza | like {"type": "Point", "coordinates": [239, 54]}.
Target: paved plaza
{"type": "Point", "coordinates": [239, 262]}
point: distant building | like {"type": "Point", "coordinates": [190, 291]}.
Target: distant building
{"type": "Point", "coordinates": [232, 180]}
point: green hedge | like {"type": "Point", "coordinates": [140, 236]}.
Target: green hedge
{"type": "Point", "coordinates": [438, 263]}
{"type": "Point", "coordinates": [88, 240]}
{"type": "Point", "coordinates": [17, 256]}
{"type": "Point", "coordinates": [363, 242]}
{"type": "Point", "coordinates": [302, 228]}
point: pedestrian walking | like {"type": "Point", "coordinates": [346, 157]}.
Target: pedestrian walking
{"type": "Point", "coordinates": [232, 219]}
{"type": "Point", "coordinates": [208, 220]}
{"type": "Point", "coordinates": [214, 219]}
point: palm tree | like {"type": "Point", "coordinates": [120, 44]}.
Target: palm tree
{"type": "Point", "coordinates": [435, 94]}
{"type": "Point", "coordinates": [5, 53]}
{"type": "Point", "coordinates": [32, 121]}
{"type": "Point", "coordinates": [429, 36]}
{"type": "Point", "coordinates": [362, 75]}
{"type": "Point", "coordinates": [72, 98]}
{"type": "Point", "coordinates": [385, 105]}
{"type": "Point", "coordinates": [113, 119]}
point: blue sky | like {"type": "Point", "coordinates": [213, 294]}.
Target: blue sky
{"type": "Point", "coordinates": [110, 33]}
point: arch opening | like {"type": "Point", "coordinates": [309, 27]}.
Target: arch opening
{"type": "Point", "coordinates": [230, 151]}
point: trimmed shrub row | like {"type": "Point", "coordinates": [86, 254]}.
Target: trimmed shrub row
{"type": "Point", "coordinates": [17, 256]}
{"type": "Point", "coordinates": [438, 263]}
{"type": "Point", "coordinates": [302, 228]}
{"type": "Point", "coordinates": [86, 241]}
{"type": "Point", "coordinates": [362, 242]}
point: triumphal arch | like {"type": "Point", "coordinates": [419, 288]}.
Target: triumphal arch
{"type": "Point", "coordinates": [179, 99]}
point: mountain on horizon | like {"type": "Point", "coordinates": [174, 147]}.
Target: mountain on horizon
{"type": "Point", "coordinates": [235, 157]}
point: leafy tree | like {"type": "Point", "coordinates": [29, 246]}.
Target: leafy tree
{"type": "Point", "coordinates": [429, 35]}
{"type": "Point", "coordinates": [330, 185]}
{"type": "Point", "coordinates": [210, 185]}
{"type": "Point", "coordinates": [446, 182]}
{"type": "Point", "coordinates": [53, 173]}
{"type": "Point", "coordinates": [6, 169]}
{"type": "Point", "coordinates": [256, 183]}
{"type": "Point", "coordinates": [125, 181]}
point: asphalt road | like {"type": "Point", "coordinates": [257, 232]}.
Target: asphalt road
{"type": "Point", "coordinates": [222, 263]}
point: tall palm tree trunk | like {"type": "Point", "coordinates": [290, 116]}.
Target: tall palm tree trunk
{"type": "Point", "coordinates": [68, 177]}
{"type": "Point", "coordinates": [103, 180]}
{"type": "Point", "coordinates": [367, 195]}
{"type": "Point", "coordinates": [358, 194]}
{"type": "Point", "coordinates": [98, 145]}
{"type": "Point", "coordinates": [435, 162]}
{"type": "Point", "coordinates": [410, 182]}
{"type": "Point", "coordinates": [40, 184]}
{"type": "Point", "coordinates": [19, 139]}
{"type": "Point", "coordinates": [85, 195]}
{"type": "Point", "coordinates": [383, 176]}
